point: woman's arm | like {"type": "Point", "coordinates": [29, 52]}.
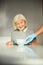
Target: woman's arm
{"type": "Point", "coordinates": [39, 31]}
{"type": "Point", "coordinates": [34, 35]}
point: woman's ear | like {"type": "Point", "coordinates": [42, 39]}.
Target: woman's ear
{"type": "Point", "coordinates": [25, 22]}
{"type": "Point", "coordinates": [14, 25]}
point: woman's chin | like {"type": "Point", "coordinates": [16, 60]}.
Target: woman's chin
{"type": "Point", "coordinates": [21, 29]}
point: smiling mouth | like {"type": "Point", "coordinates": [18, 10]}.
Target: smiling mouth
{"type": "Point", "coordinates": [21, 27]}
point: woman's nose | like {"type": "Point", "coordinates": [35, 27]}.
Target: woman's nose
{"type": "Point", "coordinates": [20, 24]}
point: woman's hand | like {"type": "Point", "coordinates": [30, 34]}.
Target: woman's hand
{"type": "Point", "coordinates": [34, 44]}
{"type": "Point", "coordinates": [30, 38]}
{"type": "Point", "coordinates": [9, 44]}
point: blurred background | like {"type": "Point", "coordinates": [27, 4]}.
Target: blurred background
{"type": "Point", "coordinates": [31, 9]}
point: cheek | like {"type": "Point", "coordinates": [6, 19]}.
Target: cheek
{"type": "Point", "coordinates": [17, 26]}
{"type": "Point", "coordinates": [24, 24]}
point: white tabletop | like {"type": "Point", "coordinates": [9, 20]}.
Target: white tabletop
{"type": "Point", "coordinates": [21, 54]}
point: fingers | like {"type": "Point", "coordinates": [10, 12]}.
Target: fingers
{"type": "Point", "coordinates": [34, 44]}
{"type": "Point", "coordinates": [9, 44]}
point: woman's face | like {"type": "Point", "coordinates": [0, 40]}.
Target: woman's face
{"type": "Point", "coordinates": [20, 24]}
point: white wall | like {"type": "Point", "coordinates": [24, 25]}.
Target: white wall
{"type": "Point", "coordinates": [32, 10]}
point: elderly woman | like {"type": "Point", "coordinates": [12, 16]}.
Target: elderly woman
{"type": "Point", "coordinates": [21, 34]}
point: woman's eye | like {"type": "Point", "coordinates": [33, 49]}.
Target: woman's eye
{"type": "Point", "coordinates": [17, 24]}
{"type": "Point", "coordinates": [21, 22]}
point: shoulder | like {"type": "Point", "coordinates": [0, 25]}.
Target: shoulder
{"type": "Point", "coordinates": [14, 31]}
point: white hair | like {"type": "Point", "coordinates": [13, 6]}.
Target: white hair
{"type": "Point", "coordinates": [18, 17]}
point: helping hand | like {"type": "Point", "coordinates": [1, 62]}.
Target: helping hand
{"type": "Point", "coordinates": [29, 38]}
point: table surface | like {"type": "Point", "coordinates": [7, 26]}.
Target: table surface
{"type": "Point", "coordinates": [20, 54]}
{"type": "Point", "coordinates": [23, 55]}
